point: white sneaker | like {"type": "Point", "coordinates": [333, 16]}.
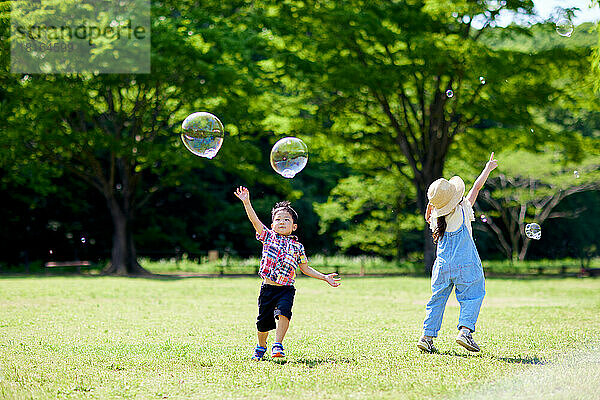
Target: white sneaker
{"type": "Point", "coordinates": [426, 344]}
{"type": "Point", "coordinates": [465, 339]}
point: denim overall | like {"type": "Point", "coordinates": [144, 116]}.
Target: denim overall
{"type": "Point", "coordinates": [457, 264]}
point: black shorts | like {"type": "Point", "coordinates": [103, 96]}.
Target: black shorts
{"type": "Point", "coordinates": [274, 301]}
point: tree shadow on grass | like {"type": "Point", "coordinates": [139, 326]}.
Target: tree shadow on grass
{"type": "Point", "coordinates": [533, 360]}
{"type": "Point", "coordinates": [315, 362]}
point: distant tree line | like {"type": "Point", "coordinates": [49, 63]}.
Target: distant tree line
{"type": "Point", "coordinates": [92, 166]}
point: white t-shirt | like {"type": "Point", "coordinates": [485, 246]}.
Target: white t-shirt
{"type": "Point", "coordinates": [455, 218]}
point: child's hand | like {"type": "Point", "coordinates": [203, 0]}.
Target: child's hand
{"type": "Point", "coordinates": [243, 194]}
{"type": "Point", "coordinates": [492, 163]}
{"type": "Point", "coordinates": [333, 279]}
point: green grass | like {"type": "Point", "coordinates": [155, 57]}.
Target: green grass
{"type": "Point", "coordinates": [105, 338]}
{"type": "Point", "coordinates": [360, 264]}
{"type": "Point", "coordinates": [341, 264]}
{"type": "Point", "coordinates": [344, 265]}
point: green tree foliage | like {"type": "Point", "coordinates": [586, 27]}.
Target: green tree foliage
{"type": "Point", "coordinates": [528, 189]}
{"type": "Point", "coordinates": [364, 84]}
{"type": "Point", "coordinates": [119, 133]}
{"type": "Point", "coordinates": [379, 73]}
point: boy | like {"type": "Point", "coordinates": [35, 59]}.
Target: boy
{"type": "Point", "coordinates": [281, 255]}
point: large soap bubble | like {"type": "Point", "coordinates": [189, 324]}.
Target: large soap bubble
{"type": "Point", "coordinates": [564, 27]}
{"type": "Point", "coordinates": [202, 134]}
{"type": "Point", "coordinates": [533, 231]}
{"type": "Point", "coordinates": [289, 156]}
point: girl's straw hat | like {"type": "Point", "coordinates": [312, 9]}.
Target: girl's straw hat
{"type": "Point", "coordinates": [445, 195]}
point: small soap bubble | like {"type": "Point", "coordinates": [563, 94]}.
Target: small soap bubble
{"type": "Point", "coordinates": [576, 173]}
{"type": "Point", "coordinates": [202, 134]}
{"type": "Point", "coordinates": [50, 252]}
{"type": "Point", "coordinates": [533, 231]}
{"type": "Point", "coordinates": [289, 156]}
{"type": "Point", "coordinates": [482, 80]}
{"type": "Point", "coordinates": [564, 27]}
{"type": "Point", "coordinates": [484, 219]}
{"type": "Point", "coordinates": [531, 130]}
{"type": "Point", "coordinates": [449, 93]}
{"type": "Point", "coordinates": [83, 240]}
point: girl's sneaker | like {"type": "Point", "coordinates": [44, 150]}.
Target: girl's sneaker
{"type": "Point", "coordinates": [277, 350]}
{"type": "Point", "coordinates": [259, 352]}
{"type": "Point", "coordinates": [465, 339]}
{"type": "Point", "coordinates": [426, 344]}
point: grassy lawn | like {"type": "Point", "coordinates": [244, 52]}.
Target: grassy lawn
{"type": "Point", "coordinates": [355, 265]}
{"type": "Point", "coordinates": [101, 337]}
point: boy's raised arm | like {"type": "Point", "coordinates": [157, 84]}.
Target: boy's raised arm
{"type": "Point", "coordinates": [489, 167]}
{"type": "Point", "coordinates": [244, 195]}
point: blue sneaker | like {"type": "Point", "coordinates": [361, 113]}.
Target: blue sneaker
{"type": "Point", "coordinates": [259, 352]}
{"type": "Point", "coordinates": [277, 350]}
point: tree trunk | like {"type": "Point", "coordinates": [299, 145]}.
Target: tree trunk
{"type": "Point", "coordinates": [123, 256]}
{"type": "Point", "coordinates": [524, 248]}
{"type": "Point", "coordinates": [429, 247]}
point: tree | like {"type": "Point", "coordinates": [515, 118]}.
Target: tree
{"type": "Point", "coordinates": [529, 188]}
{"type": "Point", "coordinates": [407, 79]}
{"type": "Point", "coordinates": [119, 133]}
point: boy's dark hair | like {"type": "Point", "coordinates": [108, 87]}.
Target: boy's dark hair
{"type": "Point", "coordinates": [284, 206]}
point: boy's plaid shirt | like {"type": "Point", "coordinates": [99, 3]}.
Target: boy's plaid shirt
{"type": "Point", "coordinates": [281, 255]}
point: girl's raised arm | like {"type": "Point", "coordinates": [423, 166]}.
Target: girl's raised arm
{"type": "Point", "coordinates": [480, 181]}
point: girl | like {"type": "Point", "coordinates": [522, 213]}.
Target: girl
{"type": "Point", "coordinates": [457, 262]}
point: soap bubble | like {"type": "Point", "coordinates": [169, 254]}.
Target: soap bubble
{"type": "Point", "coordinates": [289, 156]}
{"type": "Point", "coordinates": [202, 134]}
{"type": "Point", "coordinates": [449, 93]}
{"type": "Point", "coordinates": [484, 219]}
{"type": "Point", "coordinates": [564, 27]}
{"type": "Point", "coordinates": [533, 231]}
{"type": "Point", "coordinates": [482, 80]}
{"type": "Point", "coordinates": [576, 173]}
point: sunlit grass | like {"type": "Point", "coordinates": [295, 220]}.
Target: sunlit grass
{"type": "Point", "coordinates": [101, 337]}
{"type": "Point", "coordinates": [356, 265]}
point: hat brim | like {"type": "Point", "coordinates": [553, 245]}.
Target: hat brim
{"type": "Point", "coordinates": [459, 192]}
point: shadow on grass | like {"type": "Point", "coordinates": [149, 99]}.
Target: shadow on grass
{"type": "Point", "coordinates": [455, 353]}
{"type": "Point", "coordinates": [315, 362]}
{"type": "Point", "coordinates": [533, 360]}
{"type": "Point", "coordinates": [521, 360]}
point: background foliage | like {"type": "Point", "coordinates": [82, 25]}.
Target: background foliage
{"type": "Point", "coordinates": [317, 70]}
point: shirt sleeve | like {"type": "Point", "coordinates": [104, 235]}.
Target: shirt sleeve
{"type": "Point", "coordinates": [265, 235]}
{"type": "Point", "coordinates": [302, 259]}
{"type": "Point", "coordinates": [468, 207]}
